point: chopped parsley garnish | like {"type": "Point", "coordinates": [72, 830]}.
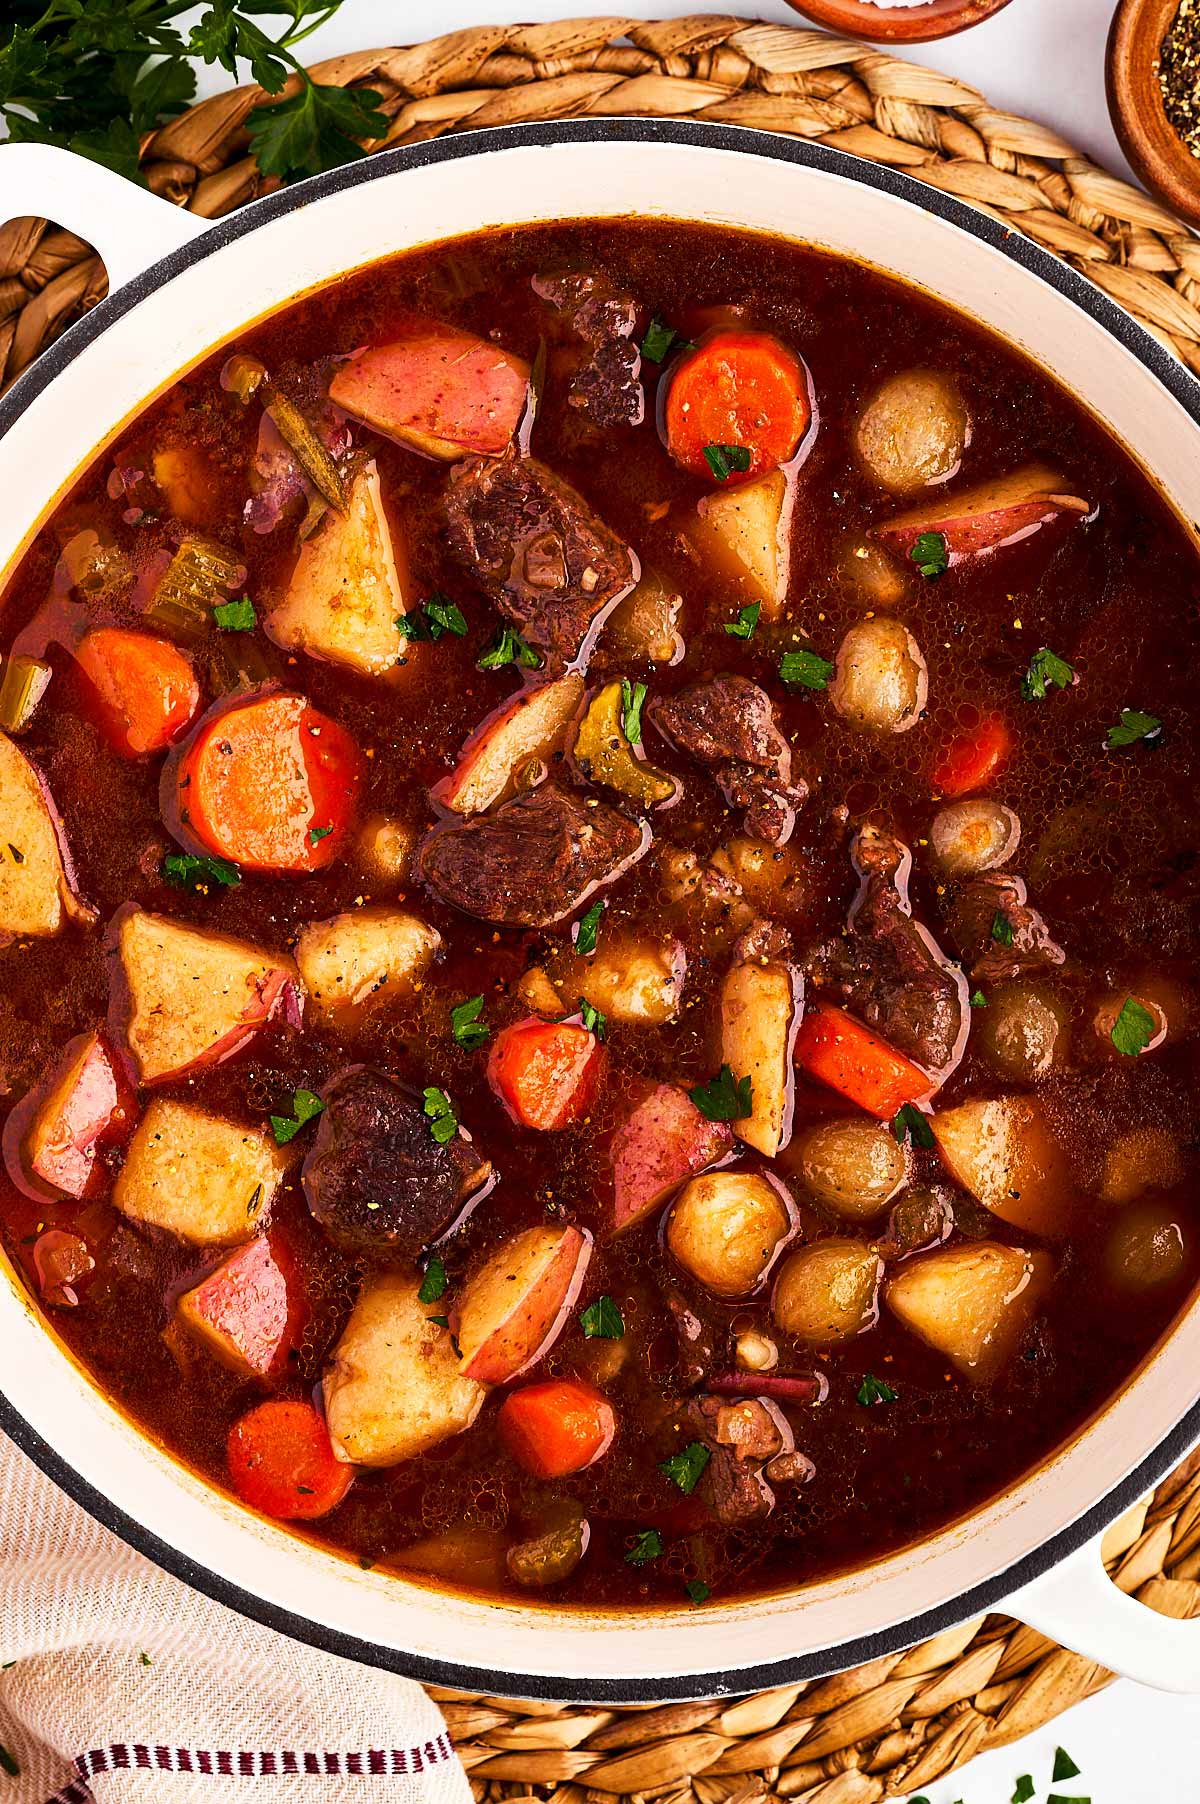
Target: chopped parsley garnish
{"type": "Point", "coordinates": [1056, 1797]}
{"type": "Point", "coordinates": [743, 627]}
{"type": "Point", "coordinates": [685, 1469]}
{"type": "Point", "coordinates": [723, 460]}
{"type": "Point", "coordinates": [698, 1591]}
{"type": "Point", "coordinates": [725, 1097]}
{"type": "Point", "coordinates": [439, 1321]}
{"type": "Point", "coordinates": [304, 1106]}
{"type": "Point", "coordinates": [602, 1320]}
{"type": "Point", "coordinates": [806, 668]}
{"type": "Point", "coordinates": [587, 929]}
{"type": "Point", "coordinates": [433, 1284]}
{"type": "Point", "coordinates": [874, 1390]}
{"type": "Point", "coordinates": [1132, 1032]}
{"type": "Point", "coordinates": [648, 1546]}
{"type": "Point", "coordinates": [1064, 1766]}
{"type": "Point", "coordinates": [658, 340]}
{"type": "Point", "coordinates": [930, 555]}
{"type": "Point", "coordinates": [1132, 727]}
{"type": "Point", "coordinates": [467, 1024]}
{"type": "Point", "coordinates": [1024, 1789]}
{"type": "Point", "coordinates": [236, 616]}
{"type": "Point", "coordinates": [509, 648]}
{"type": "Point", "coordinates": [632, 697]}
{"type": "Point", "coordinates": [1045, 666]}
{"type": "Point", "coordinates": [909, 1124]}
{"type": "Point", "coordinates": [317, 834]}
{"type": "Point", "coordinates": [1002, 928]}
{"type": "Point", "coordinates": [592, 1018]}
{"type": "Point", "coordinates": [978, 999]}
{"type": "Point", "coordinates": [443, 1122]}
{"type": "Point", "coordinates": [435, 616]}
{"type": "Point", "coordinates": [145, 1658]}
{"type": "Point", "coordinates": [186, 871]}
{"type": "Point", "coordinates": [8, 1763]}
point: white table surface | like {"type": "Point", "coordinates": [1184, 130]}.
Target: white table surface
{"type": "Point", "coordinates": [1043, 58]}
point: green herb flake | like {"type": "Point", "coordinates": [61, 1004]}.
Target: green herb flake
{"type": "Point", "coordinates": [595, 1022]}
{"type": "Point", "coordinates": [1024, 1789]}
{"type": "Point", "coordinates": [633, 696]}
{"type": "Point", "coordinates": [1064, 1766]}
{"type": "Point", "coordinates": [874, 1390]}
{"type": "Point", "coordinates": [1132, 1032]}
{"type": "Point", "coordinates": [725, 460]}
{"type": "Point", "coordinates": [658, 340]}
{"type": "Point", "coordinates": [647, 1547]}
{"type": "Point", "coordinates": [978, 999]}
{"type": "Point", "coordinates": [910, 1124]}
{"type": "Point", "coordinates": [1132, 727]}
{"type": "Point", "coordinates": [439, 1321]}
{"type": "Point", "coordinates": [305, 1105]}
{"type": "Point", "coordinates": [725, 1097]}
{"type": "Point", "coordinates": [443, 1122]}
{"type": "Point", "coordinates": [686, 1469]}
{"type": "Point", "coordinates": [444, 616]}
{"type": "Point", "coordinates": [1058, 1798]}
{"type": "Point", "coordinates": [1045, 666]}
{"type": "Point", "coordinates": [1002, 928]}
{"type": "Point", "coordinates": [510, 648]}
{"type": "Point", "coordinates": [467, 1025]}
{"type": "Point", "coordinates": [433, 1284]}
{"type": "Point", "coordinates": [747, 620]}
{"type": "Point", "coordinates": [587, 929]}
{"type": "Point", "coordinates": [317, 834]}
{"type": "Point", "coordinates": [698, 1591]}
{"type": "Point", "coordinates": [930, 554]}
{"type": "Point", "coordinates": [805, 669]}
{"type": "Point", "coordinates": [602, 1320]}
{"type": "Point", "coordinates": [186, 871]}
{"type": "Point", "coordinates": [236, 616]}
{"type": "Point", "coordinates": [145, 1658]}
{"type": "Point", "coordinates": [9, 1763]}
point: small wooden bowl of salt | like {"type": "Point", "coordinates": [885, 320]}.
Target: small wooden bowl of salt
{"type": "Point", "coordinates": [898, 20]}
{"type": "Point", "coordinates": [1153, 73]}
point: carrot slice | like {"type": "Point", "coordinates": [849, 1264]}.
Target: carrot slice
{"type": "Point", "coordinates": [556, 1428]}
{"type": "Point", "coordinates": [740, 390]}
{"type": "Point", "coordinates": [281, 1461]}
{"type": "Point", "coordinates": [546, 1072]}
{"type": "Point", "coordinates": [140, 691]}
{"type": "Point", "coordinates": [271, 784]}
{"type": "Point", "coordinates": [839, 1051]}
{"type": "Point", "coordinates": [972, 760]}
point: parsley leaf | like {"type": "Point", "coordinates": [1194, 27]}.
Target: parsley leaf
{"type": "Point", "coordinates": [587, 929]}
{"type": "Point", "coordinates": [910, 1124]}
{"type": "Point", "coordinates": [724, 460]}
{"type": "Point", "coordinates": [509, 648]}
{"type": "Point", "coordinates": [978, 999]}
{"type": "Point", "coordinates": [1024, 1789]}
{"type": "Point", "coordinates": [1058, 1798]}
{"type": "Point", "coordinates": [467, 1024]}
{"type": "Point", "coordinates": [443, 1122]}
{"type": "Point", "coordinates": [725, 1097]}
{"type": "Point", "coordinates": [1064, 1766]}
{"type": "Point", "coordinates": [743, 627]}
{"type": "Point", "coordinates": [317, 834]}
{"type": "Point", "coordinates": [1002, 928]}
{"type": "Point", "coordinates": [805, 668]}
{"type": "Point", "coordinates": [1133, 726]}
{"type": "Point", "coordinates": [633, 696]}
{"type": "Point", "coordinates": [236, 616]}
{"type": "Point", "coordinates": [874, 1390]}
{"type": "Point", "coordinates": [592, 1018]}
{"type": "Point", "coordinates": [685, 1469]}
{"type": "Point", "coordinates": [602, 1320]}
{"type": "Point", "coordinates": [648, 1546]}
{"type": "Point", "coordinates": [186, 871]}
{"type": "Point", "coordinates": [305, 1104]}
{"type": "Point", "coordinates": [698, 1591]}
{"type": "Point", "coordinates": [316, 128]}
{"type": "Point", "coordinates": [1132, 1032]}
{"type": "Point", "coordinates": [433, 1284]}
{"type": "Point", "coordinates": [658, 340]}
{"type": "Point", "coordinates": [1045, 666]}
{"type": "Point", "coordinates": [930, 554]}
{"type": "Point", "coordinates": [435, 616]}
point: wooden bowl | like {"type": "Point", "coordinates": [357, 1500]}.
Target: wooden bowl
{"type": "Point", "coordinates": [1155, 149]}
{"type": "Point", "coordinates": [912, 24]}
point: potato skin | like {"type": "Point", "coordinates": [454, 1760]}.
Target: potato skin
{"type": "Point", "coordinates": [828, 1291]}
{"type": "Point", "coordinates": [881, 683]}
{"type": "Point", "coordinates": [853, 1166]}
{"type": "Point", "coordinates": [913, 431]}
{"type": "Point", "coordinates": [726, 1229]}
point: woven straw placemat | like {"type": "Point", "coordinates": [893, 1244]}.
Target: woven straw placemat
{"type": "Point", "coordinates": [889, 1729]}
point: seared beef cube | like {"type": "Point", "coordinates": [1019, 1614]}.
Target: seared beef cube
{"type": "Point", "coordinates": [1008, 934]}
{"type": "Point", "coordinates": [606, 386]}
{"type": "Point", "coordinates": [741, 1438]}
{"type": "Point", "coordinates": [532, 861]}
{"type": "Point", "coordinates": [730, 724]}
{"type": "Point", "coordinates": [536, 548]}
{"type": "Point", "coordinates": [376, 1179]}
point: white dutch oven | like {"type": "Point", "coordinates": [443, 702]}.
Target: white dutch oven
{"type": "Point", "coordinates": [181, 288]}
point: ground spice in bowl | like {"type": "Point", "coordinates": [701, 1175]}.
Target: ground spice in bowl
{"type": "Point", "coordinates": [1179, 74]}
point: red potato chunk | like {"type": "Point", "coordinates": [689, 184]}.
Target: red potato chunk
{"type": "Point", "coordinates": [199, 1176]}
{"type": "Point", "coordinates": [357, 961]}
{"type": "Point", "coordinates": [913, 431]}
{"type": "Point", "coordinates": [90, 1104]}
{"type": "Point", "coordinates": [251, 1311]}
{"type": "Point", "coordinates": [195, 998]}
{"type": "Point", "coordinates": [438, 389]}
{"type": "Point", "coordinates": [531, 729]}
{"type": "Point", "coordinates": [515, 1307]}
{"type": "Point", "coordinates": [726, 1229]}
{"type": "Point", "coordinates": [546, 1073]}
{"type": "Point", "coordinates": [989, 517]}
{"type": "Point", "coordinates": [973, 1303]}
{"type": "Point", "coordinates": [743, 535]}
{"type": "Point", "coordinates": [664, 1141]}
{"type": "Point", "coordinates": [349, 590]}
{"type": "Point", "coordinates": [828, 1291]}
{"type": "Point", "coordinates": [760, 1018]}
{"type": "Point", "coordinates": [37, 886]}
{"type": "Point", "coordinates": [1005, 1154]}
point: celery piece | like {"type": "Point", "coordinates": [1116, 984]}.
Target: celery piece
{"type": "Point", "coordinates": [22, 687]}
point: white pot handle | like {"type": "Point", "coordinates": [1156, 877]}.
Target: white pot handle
{"type": "Point", "coordinates": [130, 227]}
{"type": "Point", "coordinates": [1077, 1604]}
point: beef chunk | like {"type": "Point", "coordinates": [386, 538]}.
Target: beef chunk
{"type": "Point", "coordinates": [536, 548]}
{"type": "Point", "coordinates": [1008, 934]}
{"type": "Point", "coordinates": [607, 385]}
{"type": "Point", "coordinates": [375, 1178]}
{"type": "Point", "coordinates": [741, 1438]}
{"type": "Point", "coordinates": [533, 860]}
{"type": "Point", "coordinates": [696, 1350]}
{"type": "Point", "coordinates": [730, 724]}
{"type": "Point", "coordinates": [763, 942]}
{"type": "Point", "coordinates": [891, 969]}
